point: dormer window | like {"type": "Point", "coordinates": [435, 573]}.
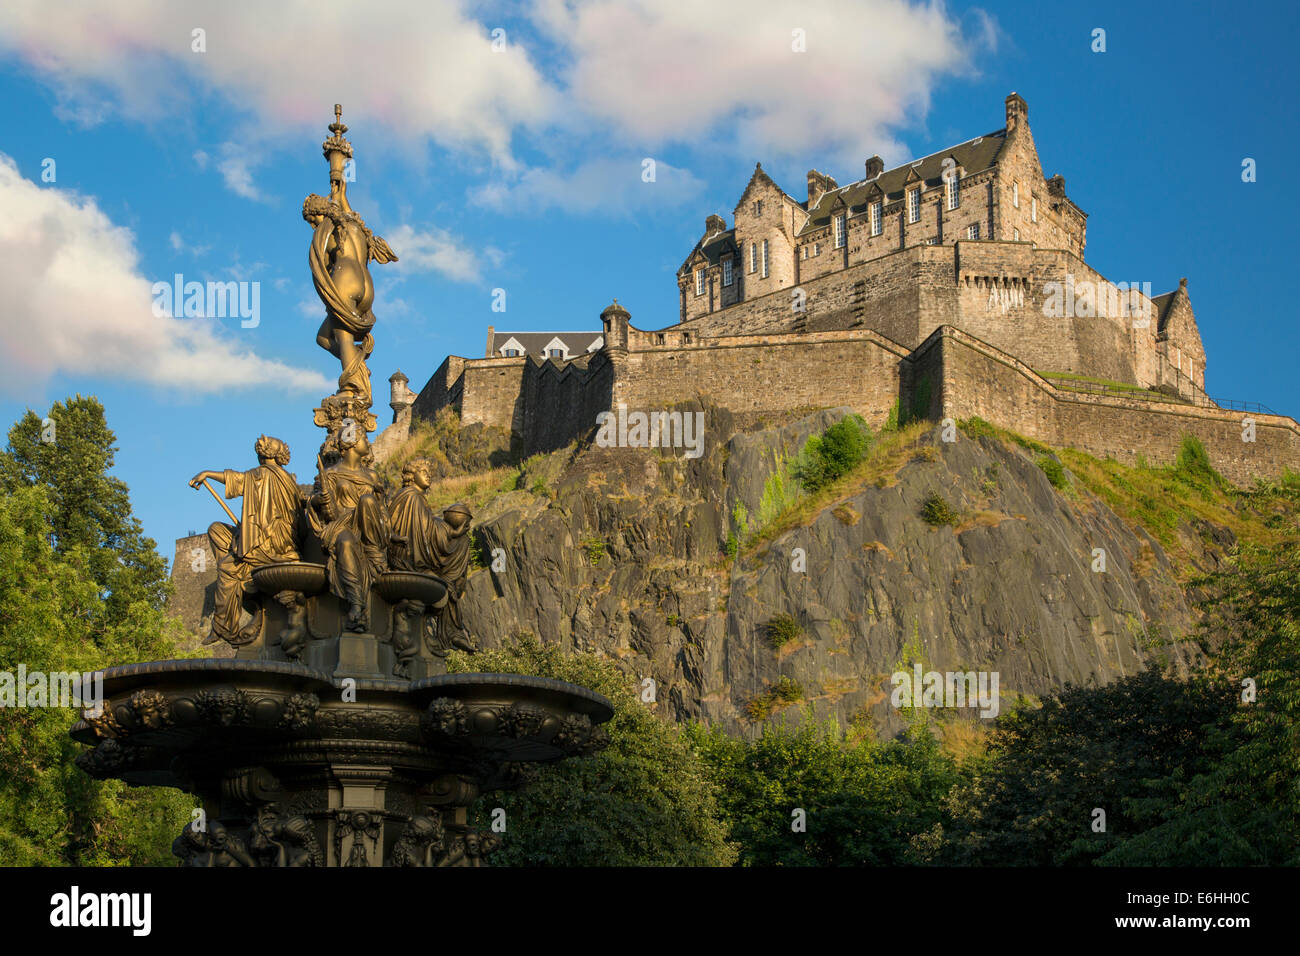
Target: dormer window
{"type": "Point", "coordinates": [952, 190]}
{"type": "Point", "coordinates": [726, 272]}
{"type": "Point", "coordinates": [840, 228]}
{"type": "Point", "coordinates": [512, 353]}
{"type": "Point", "coordinates": [877, 215]}
{"type": "Point", "coordinates": [764, 258]}
{"type": "Point", "coordinates": [556, 353]}
{"type": "Point", "coordinates": [914, 205]}
{"type": "Point", "coordinates": [1015, 195]}
{"type": "Point", "coordinates": [699, 281]}
{"type": "Point", "coordinates": [1033, 208]}
{"type": "Point", "coordinates": [753, 257]}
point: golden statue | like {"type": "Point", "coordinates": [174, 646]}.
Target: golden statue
{"type": "Point", "coordinates": [349, 515]}
{"type": "Point", "coordinates": [340, 254]}
{"type": "Point", "coordinates": [266, 533]}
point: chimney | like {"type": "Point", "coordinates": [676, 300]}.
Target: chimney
{"type": "Point", "coordinates": [875, 166]}
{"type": "Point", "coordinates": [492, 334]}
{"type": "Point", "coordinates": [819, 184]}
{"type": "Point", "coordinates": [1056, 185]}
{"type": "Point", "coordinates": [714, 224]}
{"type": "Point", "coordinates": [1017, 111]}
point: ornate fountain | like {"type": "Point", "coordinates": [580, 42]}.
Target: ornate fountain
{"type": "Point", "coordinates": [334, 737]}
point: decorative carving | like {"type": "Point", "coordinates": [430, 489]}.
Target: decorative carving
{"type": "Point", "coordinates": [109, 758]}
{"type": "Point", "coordinates": [226, 707]}
{"type": "Point", "coordinates": [213, 845]}
{"type": "Point", "coordinates": [421, 843]}
{"type": "Point", "coordinates": [468, 847]}
{"type": "Point", "coordinates": [293, 637]}
{"type": "Point", "coordinates": [299, 711]}
{"type": "Point", "coordinates": [284, 840]}
{"type": "Point", "coordinates": [445, 717]}
{"type": "Point", "coordinates": [523, 720]}
{"type": "Point", "coordinates": [360, 825]}
{"type": "Point", "coordinates": [150, 709]}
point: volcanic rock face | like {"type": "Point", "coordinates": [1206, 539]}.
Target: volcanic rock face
{"type": "Point", "coordinates": [623, 550]}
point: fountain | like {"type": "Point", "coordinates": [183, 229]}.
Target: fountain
{"type": "Point", "coordinates": [334, 737]}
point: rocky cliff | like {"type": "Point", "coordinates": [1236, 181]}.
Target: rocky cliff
{"type": "Point", "coordinates": [960, 555]}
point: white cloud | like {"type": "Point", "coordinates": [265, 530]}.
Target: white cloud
{"type": "Point", "coordinates": [78, 304]}
{"type": "Point", "coordinates": [179, 245]}
{"type": "Point", "coordinates": [437, 250]}
{"type": "Point", "coordinates": [415, 68]}
{"type": "Point", "coordinates": [236, 171]}
{"type": "Point", "coordinates": [599, 186]}
{"type": "Point", "coordinates": [680, 70]}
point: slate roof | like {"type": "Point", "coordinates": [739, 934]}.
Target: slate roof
{"type": "Point", "coordinates": [534, 343]}
{"type": "Point", "coordinates": [713, 247]}
{"type": "Point", "coordinates": [973, 156]}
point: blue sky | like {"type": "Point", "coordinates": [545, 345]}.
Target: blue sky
{"type": "Point", "coordinates": [521, 169]}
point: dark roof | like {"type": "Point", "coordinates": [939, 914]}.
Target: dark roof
{"type": "Point", "coordinates": [973, 156]}
{"type": "Point", "coordinates": [534, 343]}
{"type": "Point", "coordinates": [713, 246]}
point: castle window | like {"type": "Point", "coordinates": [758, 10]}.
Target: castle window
{"type": "Point", "coordinates": [839, 231]}
{"type": "Point", "coordinates": [803, 252]}
{"type": "Point", "coordinates": [1033, 208]}
{"type": "Point", "coordinates": [914, 205]}
{"type": "Point", "coordinates": [758, 207]}
{"type": "Point", "coordinates": [973, 231]}
{"type": "Point", "coordinates": [726, 272]}
{"type": "Point", "coordinates": [753, 257]}
{"type": "Point", "coordinates": [699, 281]}
{"type": "Point", "coordinates": [1015, 234]}
{"type": "Point", "coordinates": [932, 241]}
{"type": "Point", "coordinates": [952, 190]}
{"type": "Point", "coordinates": [764, 258]}
{"type": "Point", "coordinates": [1015, 195]}
{"type": "Point", "coordinates": [877, 215]}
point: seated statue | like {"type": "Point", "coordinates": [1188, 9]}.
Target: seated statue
{"type": "Point", "coordinates": [451, 545]}
{"type": "Point", "coordinates": [267, 532]}
{"type": "Point", "coordinates": [350, 517]}
{"type": "Point", "coordinates": [412, 521]}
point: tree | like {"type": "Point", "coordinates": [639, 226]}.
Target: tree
{"type": "Point", "coordinates": [70, 458]}
{"type": "Point", "coordinates": [862, 802]}
{"type": "Point", "coordinates": [643, 801]}
{"type": "Point", "coordinates": [77, 593]}
{"type": "Point", "coordinates": [1244, 808]}
{"type": "Point", "coordinates": [1115, 748]}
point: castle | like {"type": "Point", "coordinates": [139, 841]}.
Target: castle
{"type": "Point", "coordinates": [951, 286]}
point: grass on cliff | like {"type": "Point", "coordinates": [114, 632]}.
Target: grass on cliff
{"type": "Point", "coordinates": [1168, 500]}
{"type": "Point", "coordinates": [888, 453]}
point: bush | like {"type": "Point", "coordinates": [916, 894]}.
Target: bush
{"type": "Point", "coordinates": [781, 630]}
{"type": "Point", "coordinates": [1054, 471]}
{"type": "Point", "coordinates": [830, 455]}
{"type": "Point", "coordinates": [938, 512]}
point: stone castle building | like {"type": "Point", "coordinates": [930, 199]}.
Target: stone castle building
{"type": "Point", "coordinates": [951, 286]}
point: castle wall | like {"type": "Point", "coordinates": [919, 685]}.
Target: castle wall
{"type": "Point", "coordinates": [194, 576]}
{"type": "Point", "coordinates": [560, 402]}
{"type": "Point", "coordinates": [978, 379]}
{"type": "Point", "coordinates": [759, 373]}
